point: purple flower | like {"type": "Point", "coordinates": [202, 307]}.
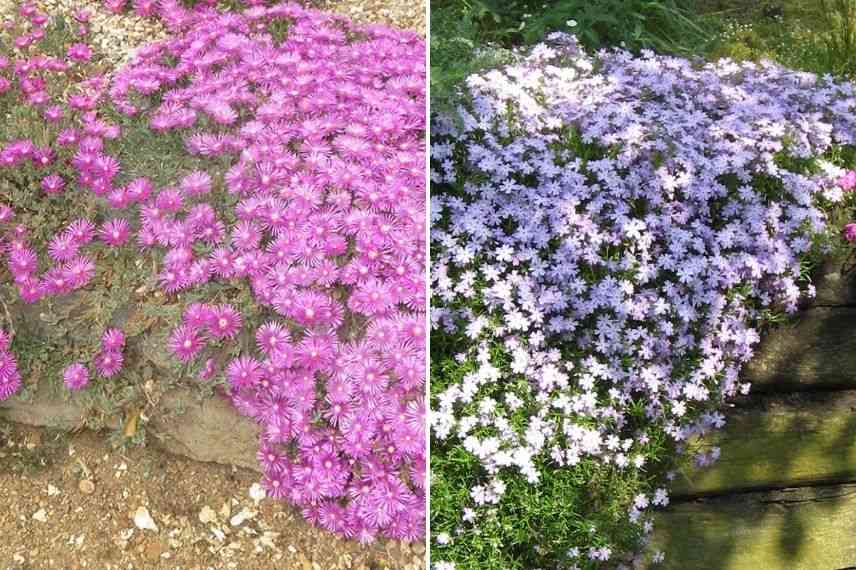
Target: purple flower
{"type": "Point", "coordinates": [850, 232]}
{"type": "Point", "coordinates": [80, 52]}
{"type": "Point", "coordinates": [243, 372]}
{"type": "Point", "coordinates": [226, 322]}
{"type": "Point", "coordinates": [53, 184]}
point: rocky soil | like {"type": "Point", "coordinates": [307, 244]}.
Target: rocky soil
{"type": "Point", "coordinates": [71, 501]}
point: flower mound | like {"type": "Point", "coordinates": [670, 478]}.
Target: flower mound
{"type": "Point", "coordinates": [326, 136]}
{"type": "Point", "coordinates": [297, 237]}
{"type": "Point", "coordinates": [609, 233]}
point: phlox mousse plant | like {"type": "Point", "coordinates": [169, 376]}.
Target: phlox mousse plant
{"type": "Point", "coordinates": [283, 263]}
{"type": "Point", "coordinates": [609, 234]}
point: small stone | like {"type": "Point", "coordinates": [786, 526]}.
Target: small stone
{"type": "Point", "coordinates": [52, 491]}
{"type": "Point", "coordinates": [207, 515]}
{"type": "Point", "coordinates": [257, 493]}
{"type": "Point", "coordinates": [144, 521]}
{"type": "Point", "coordinates": [86, 486]}
{"type": "Point", "coordinates": [242, 516]}
{"type": "Point", "coordinates": [40, 515]}
{"type": "Point", "coordinates": [153, 551]}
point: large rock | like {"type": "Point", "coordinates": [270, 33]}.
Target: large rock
{"type": "Point", "coordinates": [810, 528]}
{"type": "Point", "coordinates": [781, 441]}
{"type": "Point", "coordinates": [204, 430]}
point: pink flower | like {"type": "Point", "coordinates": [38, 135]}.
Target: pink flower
{"type": "Point", "coordinates": [226, 322]}
{"type": "Point", "coordinates": [82, 231]}
{"type": "Point", "coordinates": [80, 52]}
{"type": "Point", "coordinates": [76, 376]}
{"type": "Point", "coordinates": [198, 315]}
{"type": "Point", "coordinates": [243, 372]}
{"type": "Point", "coordinates": [80, 271]}
{"type": "Point", "coordinates": [113, 340]}
{"type": "Point", "coordinates": [850, 232]}
{"type": "Point", "coordinates": [108, 363]}
{"type": "Point", "coordinates": [115, 232]}
{"type": "Point", "coordinates": [848, 181]}
{"type": "Point", "coordinates": [196, 183]}
{"type": "Point", "coordinates": [272, 337]}
{"type": "Point", "coordinates": [53, 184]}
{"type": "Point", "coordinates": [186, 342]}
{"type": "Point", "coordinates": [63, 248]}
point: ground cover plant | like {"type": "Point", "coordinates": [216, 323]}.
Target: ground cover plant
{"type": "Point", "coordinates": [610, 234]}
{"type": "Point", "coordinates": [241, 209]}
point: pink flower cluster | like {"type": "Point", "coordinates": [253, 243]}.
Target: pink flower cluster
{"type": "Point", "coordinates": [108, 362]}
{"type": "Point", "coordinates": [10, 377]}
{"type": "Point", "coordinates": [848, 184]}
{"type": "Point", "coordinates": [330, 235]}
{"type": "Point", "coordinates": [324, 132]}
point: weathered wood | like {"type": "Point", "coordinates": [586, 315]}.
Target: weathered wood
{"type": "Point", "coordinates": [836, 284]}
{"type": "Point", "coordinates": [780, 441]}
{"type": "Point", "coordinates": [210, 430]}
{"type": "Point", "coordinates": [812, 528]}
{"type": "Point", "coordinates": [817, 352]}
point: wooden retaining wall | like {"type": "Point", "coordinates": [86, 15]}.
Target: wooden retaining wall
{"type": "Point", "coordinates": [783, 494]}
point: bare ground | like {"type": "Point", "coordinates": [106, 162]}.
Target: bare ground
{"type": "Point", "coordinates": [69, 501]}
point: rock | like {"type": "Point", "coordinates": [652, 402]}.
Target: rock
{"type": "Point", "coordinates": [208, 431]}
{"type": "Point", "coordinates": [257, 493]}
{"type": "Point", "coordinates": [86, 486]}
{"type": "Point", "coordinates": [40, 515]}
{"type": "Point", "coordinates": [835, 284]}
{"type": "Point", "coordinates": [153, 551]}
{"type": "Point", "coordinates": [207, 515]}
{"type": "Point", "coordinates": [243, 516]}
{"type": "Point", "coordinates": [143, 520]}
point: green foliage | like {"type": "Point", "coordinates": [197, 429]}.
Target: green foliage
{"type": "Point", "coordinates": [534, 525]}
{"type": "Point", "coordinates": [839, 17]}
{"type": "Point", "coordinates": [815, 35]}
{"type": "Point", "coordinates": [472, 35]}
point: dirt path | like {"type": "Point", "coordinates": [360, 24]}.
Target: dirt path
{"type": "Point", "coordinates": [70, 502]}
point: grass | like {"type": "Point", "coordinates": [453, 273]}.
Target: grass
{"type": "Point", "coordinates": [813, 35]}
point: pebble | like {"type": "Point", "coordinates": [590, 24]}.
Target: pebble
{"type": "Point", "coordinates": [143, 520]}
{"type": "Point", "coordinates": [40, 515]}
{"type": "Point", "coordinates": [207, 515]}
{"type": "Point", "coordinates": [86, 486]}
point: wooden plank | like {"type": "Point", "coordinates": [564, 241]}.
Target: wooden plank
{"type": "Point", "coordinates": [780, 441]}
{"type": "Point", "coordinates": [817, 352]}
{"type": "Point", "coordinates": [810, 528]}
{"type": "Point", "coordinates": [836, 283]}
